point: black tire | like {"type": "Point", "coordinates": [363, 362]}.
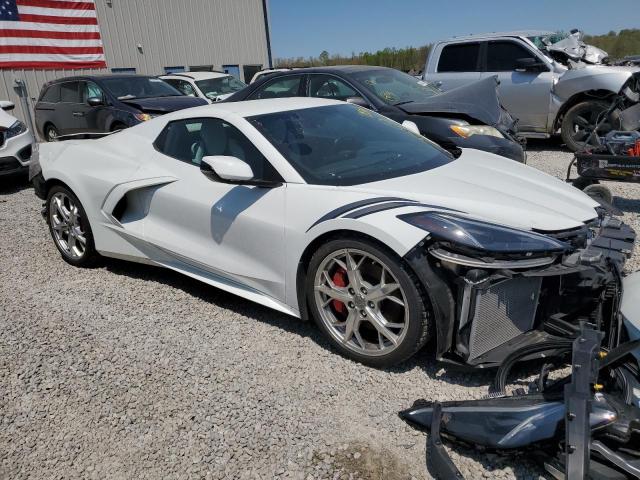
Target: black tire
{"type": "Point", "coordinates": [90, 257]}
{"type": "Point", "coordinates": [51, 133]}
{"type": "Point", "coordinates": [417, 320]}
{"type": "Point", "coordinates": [599, 192]}
{"type": "Point", "coordinates": [582, 182]}
{"type": "Point", "coordinates": [580, 120]}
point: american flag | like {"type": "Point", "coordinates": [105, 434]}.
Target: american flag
{"type": "Point", "coordinates": [44, 34]}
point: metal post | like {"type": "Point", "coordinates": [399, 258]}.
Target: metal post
{"type": "Point", "coordinates": [23, 93]}
{"type": "Point", "coordinates": [577, 397]}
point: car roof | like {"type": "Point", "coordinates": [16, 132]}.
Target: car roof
{"type": "Point", "coordinates": [514, 33]}
{"type": "Point", "coordinates": [249, 108]}
{"type": "Point", "coordinates": [97, 77]}
{"type": "Point", "coordinates": [196, 75]}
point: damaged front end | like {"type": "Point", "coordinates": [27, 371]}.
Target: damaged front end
{"type": "Point", "coordinates": [496, 290]}
{"type": "Point", "coordinates": [586, 425]}
{"type": "Point", "coordinates": [573, 52]}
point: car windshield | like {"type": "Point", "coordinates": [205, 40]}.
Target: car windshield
{"type": "Point", "coordinates": [212, 87]}
{"type": "Point", "coordinates": [347, 145]}
{"type": "Point", "coordinates": [394, 87]}
{"type": "Point", "coordinates": [542, 41]}
{"type": "Point", "coordinates": [126, 88]}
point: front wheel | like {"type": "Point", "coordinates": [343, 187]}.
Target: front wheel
{"type": "Point", "coordinates": [69, 228]}
{"type": "Point", "coordinates": [368, 303]}
{"type": "Point", "coordinates": [581, 120]}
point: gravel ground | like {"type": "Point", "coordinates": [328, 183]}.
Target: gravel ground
{"type": "Point", "coordinates": [128, 371]}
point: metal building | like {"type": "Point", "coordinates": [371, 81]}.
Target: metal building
{"type": "Point", "coordinates": [160, 36]}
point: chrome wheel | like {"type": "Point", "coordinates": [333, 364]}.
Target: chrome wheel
{"type": "Point", "coordinates": [65, 226]}
{"type": "Point", "coordinates": [361, 302]}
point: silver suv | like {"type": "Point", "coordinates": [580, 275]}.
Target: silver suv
{"type": "Point", "coordinates": [548, 81]}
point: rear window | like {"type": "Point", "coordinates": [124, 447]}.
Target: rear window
{"type": "Point", "coordinates": [51, 94]}
{"type": "Point", "coordinates": [461, 57]}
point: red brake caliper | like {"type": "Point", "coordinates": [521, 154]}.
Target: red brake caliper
{"type": "Point", "coordinates": [340, 280]}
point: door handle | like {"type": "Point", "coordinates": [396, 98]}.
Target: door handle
{"type": "Point", "coordinates": [78, 114]}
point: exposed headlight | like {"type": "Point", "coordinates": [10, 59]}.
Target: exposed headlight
{"type": "Point", "coordinates": [143, 117]}
{"type": "Point", "coordinates": [479, 235]}
{"type": "Point", "coordinates": [466, 131]}
{"type": "Point", "coordinates": [16, 129]}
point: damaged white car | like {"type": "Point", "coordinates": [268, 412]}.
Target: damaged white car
{"type": "Point", "coordinates": [323, 208]}
{"type": "Point", "coordinates": [548, 81]}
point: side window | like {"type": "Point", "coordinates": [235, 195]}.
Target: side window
{"type": "Point", "coordinates": [191, 139]}
{"type": "Point", "coordinates": [69, 92]}
{"type": "Point", "coordinates": [461, 57]}
{"type": "Point", "coordinates": [90, 90]}
{"type": "Point", "coordinates": [52, 94]}
{"type": "Point", "coordinates": [502, 56]}
{"type": "Point", "coordinates": [182, 86]}
{"type": "Point", "coordinates": [279, 88]}
{"type": "Point", "coordinates": [327, 86]}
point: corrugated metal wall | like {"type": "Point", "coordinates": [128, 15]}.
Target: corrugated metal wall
{"type": "Point", "coordinates": [171, 33]}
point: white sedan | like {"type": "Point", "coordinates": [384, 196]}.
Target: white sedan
{"type": "Point", "coordinates": [16, 142]}
{"type": "Point", "coordinates": [324, 209]}
{"type": "Point", "coordinates": [211, 86]}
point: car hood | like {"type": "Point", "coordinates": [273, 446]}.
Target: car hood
{"type": "Point", "coordinates": [478, 100]}
{"type": "Point", "coordinates": [6, 120]}
{"type": "Point", "coordinates": [161, 105]}
{"type": "Point", "coordinates": [491, 188]}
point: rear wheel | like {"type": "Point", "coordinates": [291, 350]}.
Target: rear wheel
{"type": "Point", "coordinates": [69, 228]}
{"type": "Point", "coordinates": [580, 120]}
{"type": "Point", "coordinates": [367, 302]}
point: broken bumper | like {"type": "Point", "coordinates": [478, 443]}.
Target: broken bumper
{"type": "Point", "coordinates": [484, 309]}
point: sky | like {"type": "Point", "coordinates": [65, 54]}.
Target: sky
{"type": "Point", "coordinates": [307, 27]}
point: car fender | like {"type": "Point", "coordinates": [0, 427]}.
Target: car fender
{"type": "Point", "coordinates": [590, 79]}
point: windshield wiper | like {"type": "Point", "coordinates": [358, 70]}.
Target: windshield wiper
{"type": "Point", "coordinates": [402, 103]}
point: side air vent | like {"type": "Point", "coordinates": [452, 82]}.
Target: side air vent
{"type": "Point", "coordinates": [119, 209]}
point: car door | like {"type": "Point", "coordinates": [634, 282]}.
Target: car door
{"type": "Point", "coordinates": [458, 64]}
{"type": "Point", "coordinates": [229, 231]}
{"type": "Point", "coordinates": [69, 111]}
{"type": "Point", "coordinates": [95, 118]}
{"type": "Point", "coordinates": [526, 94]}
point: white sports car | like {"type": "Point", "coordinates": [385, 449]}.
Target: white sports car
{"type": "Point", "coordinates": [325, 209]}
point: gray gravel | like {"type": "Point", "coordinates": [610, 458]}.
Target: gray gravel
{"type": "Point", "coordinates": [128, 371]}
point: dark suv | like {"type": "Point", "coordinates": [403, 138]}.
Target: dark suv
{"type": "Point", "coordinates": [89, 104]}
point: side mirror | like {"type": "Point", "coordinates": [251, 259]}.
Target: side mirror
{"type": "Point", "coordinates": [529, 64]}
{"type": "Point", "coordinates": [226, 169]}
{"type": "Point", "coordinates": [6, 105]}
{"type": "Point", "coordinates": [359, 101]}
{"type": "Point", "coordinates": [94, 101]}
{"type": "Point", "coordinates": [411, 126]}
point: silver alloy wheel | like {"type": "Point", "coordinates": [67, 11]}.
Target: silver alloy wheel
{"type": "Point", "coordinates": [361, 302]}
{"type": "Point", "coordinates": [65, 225]}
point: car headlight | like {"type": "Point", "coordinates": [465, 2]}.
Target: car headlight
{"type": "Point", "coordinates": [16, 129]}
{"type": "Point", "coordinates": [478, 235]}
{"type": "Point", "coordinates": [143, 117]}
{"type": "Point", "coordinates": [466, 131]}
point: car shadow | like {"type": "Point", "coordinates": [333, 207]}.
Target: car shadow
{"type": "Point", "coordinates": [551, 144]}
{"type": "Point", "coordinates": [424, 359]}
{"type": "Point", "coordinates": [627, 205]}
{"type": "Point", "coordinates": [14, 183]}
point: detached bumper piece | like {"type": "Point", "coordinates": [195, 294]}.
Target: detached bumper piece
{"type": "Point", "coordinates": [584, 426]}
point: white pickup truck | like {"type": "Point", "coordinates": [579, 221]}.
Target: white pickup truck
{"type": "Point", "coordinates": [549, 81]}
